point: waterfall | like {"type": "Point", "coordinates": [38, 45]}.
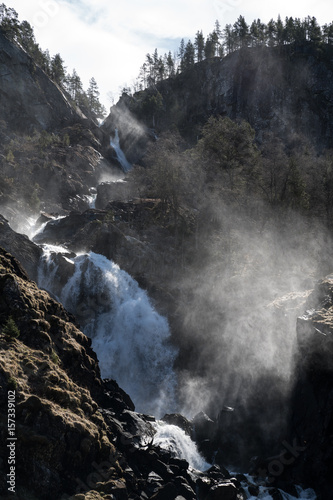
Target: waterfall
{"type": "Point", "coordinates": [174, 439]}
{"type": "Point", "coordinates": [125, 164]}
{"type": "Point", "coordinates": [131, 340]}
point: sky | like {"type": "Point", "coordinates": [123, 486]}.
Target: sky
{"type": "Point", "coordinates": [109, 40]}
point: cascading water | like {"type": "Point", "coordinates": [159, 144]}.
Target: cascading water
{"type": "Point", "coordinates": [174, 439]}
{"type": "Point", "coordinates": [114, 142]}
{"type": "Point", "coordinates": [131, 339]}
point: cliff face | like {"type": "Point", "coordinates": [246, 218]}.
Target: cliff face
{"type": "Point", "coordinates": [28, 98]}
{"type": "Point", "coordinates": [287, 91]}
{"type": "Point", "coordinates": [312, 404]}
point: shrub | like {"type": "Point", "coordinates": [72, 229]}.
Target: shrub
{"type": "Point", "coordinates": [10, 329]}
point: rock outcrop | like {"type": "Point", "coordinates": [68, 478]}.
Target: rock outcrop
{"type": "Point", "coordinates": [312, 405]}
{"type": "Point", "coordinates": [28, 98]}
{"type": "Point", "coordinates": [21, 247]}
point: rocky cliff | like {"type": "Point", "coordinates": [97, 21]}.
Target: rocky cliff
{"type": "Point", "coordinates": [28, 98]}
{"type": "Point", "coordinates": [312, 405]}
{"type": "Point", "coordinates": [286, 91]}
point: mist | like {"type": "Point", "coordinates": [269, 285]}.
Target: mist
{"type": "Point", "coordinates": [237, 315]}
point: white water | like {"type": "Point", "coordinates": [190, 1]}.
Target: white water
{"type": "Point", "coordinates": [174, 439]}
{"type": "Point", "coordinates": [125, 164]}
{"type": "Point", "coordinates": [264, 494]}
{"type": "Point", "coordinates": [307, 494]}
{"type": "Point", "coordinates": [130, 338]}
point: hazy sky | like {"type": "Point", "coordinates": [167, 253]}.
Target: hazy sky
{"type": "Point", "coordinates": [110, 39]}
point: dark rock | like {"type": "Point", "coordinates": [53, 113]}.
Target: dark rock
{"type": "Point", "coordinates": [253, 490]}
{"type": "Point", "coordinates": [186, 491]}
{"type": "Point", "coordinates": [275, 494]}
{"type": "Point", "coordinates": [203, 485]}
{"type": "Point", "coordinates": [180, 421]}
{"type": "Point", "coordinates": [166, 492]}
{"type": "Point", "coordinates": [182, 464]}
{"type": "Point", "coordinates": [113, 391]}
{"type": "Point", "coordinates": [118, 190]}
{"type": "Point", "coordinates": [204, 427]}
{"type": "Point", "coordinates": [308, 447]}
{"type": "Point", "coordinates": [20, 247]}
{"type": "Point", "coordinates": [222, 491]}
{"type": "Point", "coordinates": [28, 98]}
{"type": "Point", "coordinates": [217, 472]}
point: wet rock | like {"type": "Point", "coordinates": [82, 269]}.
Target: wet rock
{"type": "Point", "coordinates": [180, 421]}
{"type": "Point", "coordinates": [222, 491]}
{"type": "Point", "coordinates": [118, 190]}
{"type": "Point", "coordinates": [204, 426]}
{"type": "Point", "coordinates": [166, 492]}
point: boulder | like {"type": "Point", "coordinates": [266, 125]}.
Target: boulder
{"type": "Point", "coordinates": [180, 421]}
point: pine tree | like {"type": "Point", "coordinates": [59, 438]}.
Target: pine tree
{"type": "Point", "coordinates": [229, 39]}
{"type": "Point", "coordinates": [328, 33]}
{"type": "Point", "coordinates": [10, 329]}
{"type": "Point", "coordinates": [241, 30]}
{"type": "Point", "coordinates": [271, 33]}
{"type": "Point", "coordinates": [181, 52]}
{"type": "Point", "coordinates": [9, 24]}
{"type": "Point", "coordinates": [27, 37]}
{"type": "Point", "coordinates": [279, 31]}
{"type": "Point", "coordinates": [93, 99]}
{"type": "Point", "coordinates": [188, 59]}
{"type": "Point", "coordinates": [199, 44]}
{"type": "Point", "coordinates": [58, 72]}
{"type": "Point", "coordinates": [210, 47]}
{"type": "Point", "coordinates": [74, 86]}
{"type": "Point", "coordinates": [170, 64]}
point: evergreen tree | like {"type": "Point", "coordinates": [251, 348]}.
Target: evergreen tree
{"type": "Point", "coordinates": [181, 52]}
{"type": "Point", "coordinates": [315, 34]}
{"type": "Point", "coordinates": [217, 35]}
{"type": "Point", "coordinates": [9, 23]}
{"type": "Point", "coordinates": [199, 44]}
{"type": "Point", "coordinates": [210, 47]}
{"type": "Point", "coordinates": [289, 30]}
{"type": "Point", "coordinates": [300, 30]}
{"type": "Point", "coordinates": [58, 72]}
{"type": "Point", "coordinates": [27, 37]}
{"type": "Point", "coordinates": [160, 69]}
{"type": "Point", "coordinates": [10, 329]}
{"type": "Point", "coordinates": [93, 99]}
{"type": "Point", "coordinates": [279, 31]}
{"type": "Point", "coordinates": [271, 32]}
{"type": "Point", "coordinates": [229, 38]}
{"type": "Point", "coordinates": [188, 59]}
{"type": "Point", "coordinates": [257, 35]}
{"type": "Point", "coordinates": [170, 64]}
{"type": "Point", "coordinates": [74, 86]}
{"type": "Point", "coordinates": [328, 33]}
{"type": "Point", "coordinates": [241, 30]}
